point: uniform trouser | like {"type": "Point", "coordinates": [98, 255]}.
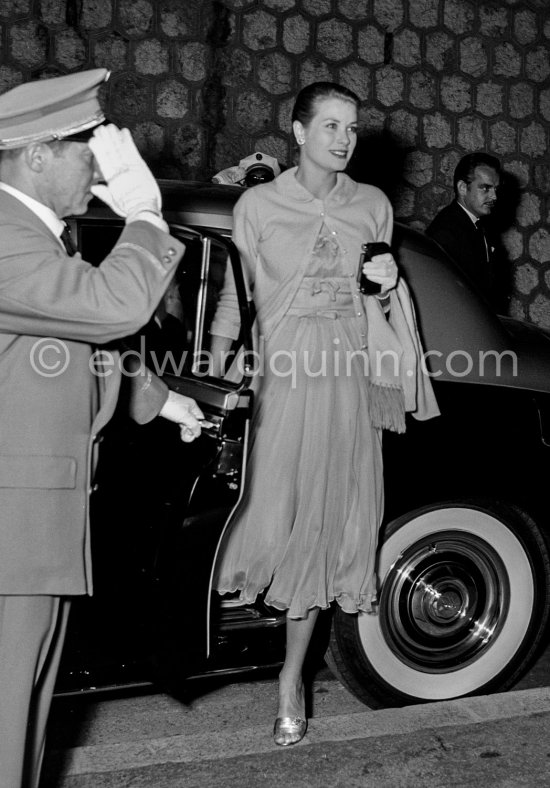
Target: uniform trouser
{"type": "Point", "coordinates": [32, 630]}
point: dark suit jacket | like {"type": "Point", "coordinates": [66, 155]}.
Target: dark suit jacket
{"type": "Point", "coordinates": [453, 229]}
{"type": "Point", "coordinates": [54, 310]}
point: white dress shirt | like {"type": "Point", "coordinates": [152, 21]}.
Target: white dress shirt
{"type": "Point", "coordinates": [44, 213]}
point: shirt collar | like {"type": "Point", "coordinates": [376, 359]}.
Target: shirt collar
{"type": "Point", "coordinates": [342, 192]}
{"type": "Point", "coordinates": [44, 213]}
{"type": "Point", "coordinates": [472, 216]}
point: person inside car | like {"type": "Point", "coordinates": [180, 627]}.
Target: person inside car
{"type": "Point", "coordinates": [306, 530]}
{"type": "Point", "coordinates": [464, 230]}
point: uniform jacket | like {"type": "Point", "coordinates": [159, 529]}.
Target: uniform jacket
{"type": "Point", "coordinates": [56, 392]}
{"type": "Point", "coordinates": [453, 229]}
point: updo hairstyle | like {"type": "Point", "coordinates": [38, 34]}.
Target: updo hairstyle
{"type": "Point", "coordinates": [309, 97]}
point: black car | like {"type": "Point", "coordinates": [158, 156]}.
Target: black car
{"type": "Point", "coordinates": [463, 562]}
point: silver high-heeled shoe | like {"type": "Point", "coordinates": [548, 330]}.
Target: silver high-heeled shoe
{"type": "Point", "coordinates": [289, 730]}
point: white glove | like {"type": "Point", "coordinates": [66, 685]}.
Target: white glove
{"type": "Point", "coordinates": [131, 187]}
{"type": "Point", "coordinates": [185, 412]}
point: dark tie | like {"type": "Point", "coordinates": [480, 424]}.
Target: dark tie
{"type": "Point", "coordinates": [67, 241]}
{"type": "Point", "coordinates": [483, 240]}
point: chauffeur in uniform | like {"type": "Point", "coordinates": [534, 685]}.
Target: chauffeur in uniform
{"type": "Point", "coordinates": [56, 392]}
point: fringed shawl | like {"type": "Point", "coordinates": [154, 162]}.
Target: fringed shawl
{"type": "Point", "coordinates": [398, 378]}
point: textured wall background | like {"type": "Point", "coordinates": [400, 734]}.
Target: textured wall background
{"type": "Point", "coordinates": [202, 83]}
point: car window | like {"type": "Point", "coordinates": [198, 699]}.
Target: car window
{"type": "Point", "coordinates": [96, 239]}
{"type": "Point", "coordinates": [177, 341]}
{"type": "Point", "coordinates": [198, 281]}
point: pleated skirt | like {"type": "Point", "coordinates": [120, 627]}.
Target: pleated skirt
{"type": "Point", "coordinates": [306, 529]}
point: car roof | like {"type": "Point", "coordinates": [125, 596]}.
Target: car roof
{"type": "Point", "coordinates": [208, 205]}
{"type": "Point", "coordinates": [465, 339]}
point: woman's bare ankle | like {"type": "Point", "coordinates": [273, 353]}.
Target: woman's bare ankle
{"type": "Point", "coordinates": [291, 698]}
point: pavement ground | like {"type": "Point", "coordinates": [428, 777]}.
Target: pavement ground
{"type": "Point", "coordinates": [223, 739]}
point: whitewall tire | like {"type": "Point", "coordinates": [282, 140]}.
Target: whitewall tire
{"type": "Point", "coordinates": [463, 605]}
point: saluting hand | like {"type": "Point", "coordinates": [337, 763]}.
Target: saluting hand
{"type": "Point", "coordinates": [130, 186]}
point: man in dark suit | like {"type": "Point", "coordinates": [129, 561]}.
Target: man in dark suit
{"type": "Point", "coordinates": [463, 230]}
{"type": "Point", "coordinates": [57, 391]}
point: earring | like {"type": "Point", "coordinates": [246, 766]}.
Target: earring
{"type": "Point", "coordinates": [300, 141]}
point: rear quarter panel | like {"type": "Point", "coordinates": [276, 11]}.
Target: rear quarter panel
{"type": "Point", "coordinates": [491, 376]}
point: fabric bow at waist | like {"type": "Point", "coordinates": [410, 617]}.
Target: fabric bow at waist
{"type": "Point", "coordinates": [323, 297]}
{"type": "Point", "coordinates": [330, 286]}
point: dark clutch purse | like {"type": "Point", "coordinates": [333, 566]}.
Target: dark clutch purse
{"type": "Point", "coordinates": [368, 251]}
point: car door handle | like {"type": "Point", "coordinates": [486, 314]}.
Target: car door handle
{"type": "Point", "coordinates": [210, 428]}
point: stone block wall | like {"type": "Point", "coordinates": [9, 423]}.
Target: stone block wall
{"type": "Point", "coordinates": [203, 83]}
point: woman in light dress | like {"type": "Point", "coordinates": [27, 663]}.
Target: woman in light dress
{"type": "Point", "coordinates": [335, 371]}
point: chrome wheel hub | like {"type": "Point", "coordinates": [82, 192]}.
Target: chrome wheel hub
{"type": "Point", "coordinates": [443, 601]}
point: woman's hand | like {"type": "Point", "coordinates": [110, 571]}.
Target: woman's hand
{"type": "Point", "coordinates": [382, 268]}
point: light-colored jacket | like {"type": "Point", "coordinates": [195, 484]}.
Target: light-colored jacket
{"type": "Point", "coordinates": [275, 228]}
{"type": "Point", "coordinates": [55, 396]}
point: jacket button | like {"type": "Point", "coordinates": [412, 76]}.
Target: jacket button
{"type": "Point", "coordinates": [171, 251]}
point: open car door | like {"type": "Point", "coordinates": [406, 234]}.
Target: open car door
{"type": "Point", "coordinates": [184, 617]}
{"type": "Point", "coordinates": [159, 505]}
